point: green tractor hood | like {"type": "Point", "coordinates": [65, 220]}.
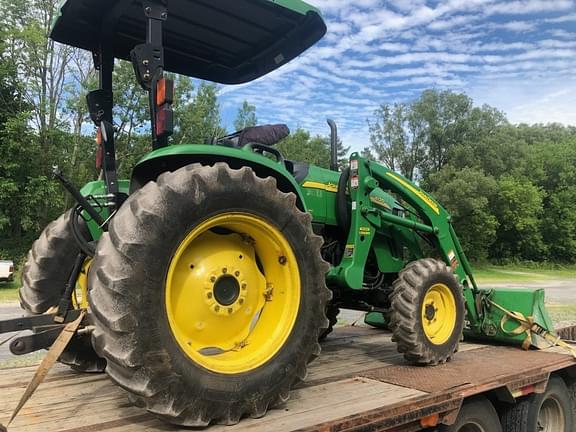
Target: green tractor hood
{"type": "Point", "coordinates": [225, 41]}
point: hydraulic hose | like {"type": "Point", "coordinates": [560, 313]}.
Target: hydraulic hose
{"type": "Point", "coordinates": [85, 246]}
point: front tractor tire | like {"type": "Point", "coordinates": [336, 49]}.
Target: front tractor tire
{"type": "Point", "coordinates": [44, 276]}
{"type": "Point", "coordinates": [208, 295]}
{"type": "Point", "coordinates": [427, 312]}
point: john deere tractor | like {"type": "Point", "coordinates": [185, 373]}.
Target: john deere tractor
{"type": "Point", "coordinates": [210, 276]}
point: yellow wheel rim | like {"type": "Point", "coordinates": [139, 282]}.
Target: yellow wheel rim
{"type": "Point", "coordinates": [232, 293]}
{"type": "Point", "coordinates": [80, 293]}
{"type": "Point", "coordinates": [439, 314]}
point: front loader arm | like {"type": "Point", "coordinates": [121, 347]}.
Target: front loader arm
{"type": "Point", "coordinates": [367, 218]}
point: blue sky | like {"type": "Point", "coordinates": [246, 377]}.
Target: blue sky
{"type": "Point", "coordinates": [516, 55]}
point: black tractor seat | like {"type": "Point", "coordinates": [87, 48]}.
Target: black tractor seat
{"type": "Point", "coordinates": [262, 139]}
{"type": "Point", "coordinates": [267, 135]}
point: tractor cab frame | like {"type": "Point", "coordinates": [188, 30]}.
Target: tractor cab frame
{"type": "Point", "coordinates": [227, 41]}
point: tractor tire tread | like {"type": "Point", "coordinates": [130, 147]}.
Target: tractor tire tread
{"type": "Point", "coordinates": [332, 313]}
{"type": "Point", "coordinates": [405, 320]}
{"type": "Point", "coordinates": [147, 374]}
{"type": "Point", "coordinates": [44, 277]}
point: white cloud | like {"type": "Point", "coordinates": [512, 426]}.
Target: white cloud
{"type": "Point", "coordinates": [517, 55]}
{"type": "Point", "coordinates": [562, 19]}
{"type": "Point", "coordinates": [517, 26]}
{"type": "Point", "coordinates": [529, 7]}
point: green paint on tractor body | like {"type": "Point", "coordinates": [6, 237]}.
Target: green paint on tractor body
{"type": "Point", "coordinates": [97, 189]}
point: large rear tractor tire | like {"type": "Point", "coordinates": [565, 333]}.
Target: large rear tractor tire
{"type": "Point", "coordinates": [427, 316]}
{"type": "Point", "coordinates": [44, 277]}
{"type": "Point", "coordinates": [208, 295]}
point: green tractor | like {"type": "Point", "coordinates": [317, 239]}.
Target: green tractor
{"type": "Point", "coordinates": [212, 274]}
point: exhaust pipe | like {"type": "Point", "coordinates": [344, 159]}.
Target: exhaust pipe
{"type": "Point", "coordinates": [333, 145]}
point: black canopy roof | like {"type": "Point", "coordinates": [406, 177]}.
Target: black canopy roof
{"type": "Point", "coordinates": [226, 41]}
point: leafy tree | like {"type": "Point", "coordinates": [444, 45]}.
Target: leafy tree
{"type": "Point", "coordinates": [444, 116]}
{"type": "Point", "coordinates": [559, 225]}
{"type": "Point", "coordinates": [518, 207]}
{"type": "Point", "coordinates": [131, 118]}
{"type": "Point", "coordinates": [420, 138]}
{"type": "Point", "coordinates": [22, 183]}
{"type": "Point", "coordinates": [300, 146]}
{"type": "Point", "coordinates": [342, 154]}
{"type": "Point", "coordinates": [246, 116]}
{"type": "Point", "coordinates": [397, 138]}
{"type": "Point", "coordinates": [555, 158]}
{"type": "Point", "coordinates": [467, 194]}
{"type": "Point", "coordinates": [197, 113]}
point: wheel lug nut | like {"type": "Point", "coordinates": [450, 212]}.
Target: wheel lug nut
{"type": "Point", "coordinates": [243, 286]}
{"type": "Point", "coordinates": [282, 260]}
{"type": "Point", "coordinates": [237, 273]}
{"type": "Point", "coordinates": [230, 310]}
{"type": "Point", "coordinates": [216, 308]}
{"type": "Point", "coordinates": [241, 301]}
{"type": "Point", "coordinates": [212, 279]}
{"type": "Point", "coordinates": [209, 295]}
{"type": "Point", "coordinates": [224, 270]}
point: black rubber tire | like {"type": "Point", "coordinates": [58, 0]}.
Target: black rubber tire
{"type": "Point", "coordinates": [406, 319]}
{"type": "Point", "coordinates": [44, 276]}
{"type": "Point", "coordinates": [332, 315]}
{"type": "Point", "coordinates": [523, 415]}
{"type": "Point", "coordinates": [476, 415]}
{"type": "Point", "coordinates": [571, 384]}
{"type": "Point", "coordinates": [127, 297]}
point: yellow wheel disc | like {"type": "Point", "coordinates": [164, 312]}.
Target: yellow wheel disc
{"type": "Point", "coordinates": [232, 292]}
{"type": "Point", "coordinates": [439, 314]}
{"type": "Point", "coordinates": [80, 293]}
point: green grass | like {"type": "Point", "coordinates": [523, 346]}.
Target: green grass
{"type": "Point", "coordinates": [8, 293]}
{"type": "Point", "coordinates": [522, 273]}
{"type": "Point", "coordinates": [9, 290]}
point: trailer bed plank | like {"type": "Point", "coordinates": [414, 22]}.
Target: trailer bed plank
{"type": "Point", "coordinates": [359, 380]}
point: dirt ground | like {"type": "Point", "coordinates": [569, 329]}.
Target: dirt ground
{"type": "Point", "coordinates": [560, 297]}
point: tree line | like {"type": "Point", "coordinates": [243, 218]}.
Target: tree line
{"type": "Point", "coordinates": [511, 189]}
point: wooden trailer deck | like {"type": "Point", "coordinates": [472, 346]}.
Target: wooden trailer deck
{"type": "Point", "coordinates": [359, 383]}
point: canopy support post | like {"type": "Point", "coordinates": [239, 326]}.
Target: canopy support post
{"type": "Point", "coordinates": [148, 62]}
{"type": "Point", "coordinates": [100, 106]}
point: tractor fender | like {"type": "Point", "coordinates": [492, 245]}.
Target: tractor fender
{"type": "Point", "coordinates": [176, 156]}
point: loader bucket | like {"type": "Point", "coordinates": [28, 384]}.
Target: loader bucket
{"type": "Point", "coordinates": [509, 313]}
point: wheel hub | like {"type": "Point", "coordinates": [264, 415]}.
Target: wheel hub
{"type": "Point", "coordinates": [430, 311]}
{"type": "Point", "coordinates": [226, 290]}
